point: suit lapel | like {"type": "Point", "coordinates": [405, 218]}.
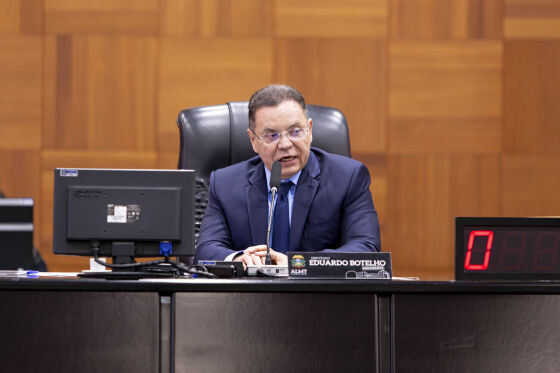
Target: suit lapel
{"type": "Point", "coordinates": [307, 186]}
{"type": "Point", "coordinates": [256, 194]}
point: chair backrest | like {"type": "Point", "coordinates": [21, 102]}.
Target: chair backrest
{"type": "Point", "coordinates": [214, 137]}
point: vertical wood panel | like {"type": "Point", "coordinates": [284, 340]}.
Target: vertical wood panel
{"type": "Point", "coordinates": [532, 97]}
{"type": "Point", "coordinates": [100, 93]}
{"type": "Point", "coordinates": [31, 16]}
{"type": "Point", "coordinates": [216, 18]}
{"type": "Point", "coordinates": [348, 74]}
{"type": "Point", "coordinates": [419, 195]}
{"type": "Point", "coordinates": [121, 93]}
{"type": "Point", "coordinates": [455, 19]}
{"type": "Point", "coordinates": [9, 17]}
{"type": "Point", "coordinates": [20, 93]}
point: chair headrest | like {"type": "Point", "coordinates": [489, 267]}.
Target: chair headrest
{"type": "Point", "coordinates": [213, 137]}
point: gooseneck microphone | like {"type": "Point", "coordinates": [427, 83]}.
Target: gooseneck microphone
{"type": "Point", "coordinates": [275, 175]}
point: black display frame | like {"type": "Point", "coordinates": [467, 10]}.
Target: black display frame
{"type": "Point", "coordinates": [122, 187]}
{"type": "Point", "coordinates": [510, 222]}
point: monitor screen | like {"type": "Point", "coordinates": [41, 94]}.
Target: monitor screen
{"type": "Point", "coordinates": [136, 213]}
{"type": "Point", "coordinates": [16, 233]}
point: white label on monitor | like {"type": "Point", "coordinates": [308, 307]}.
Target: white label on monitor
{"type": "Point", "coordinates": [71, 173]}
{"type": "Point", "coordinates": [116, 213]}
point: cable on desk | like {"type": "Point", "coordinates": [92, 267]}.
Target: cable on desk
{"type": "Point", "coordinates": [198, 270]}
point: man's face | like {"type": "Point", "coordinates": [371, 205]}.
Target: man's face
{"type": "Point", "coordinates": [292, 154]}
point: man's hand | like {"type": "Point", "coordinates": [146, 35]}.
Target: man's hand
{"type": "Point", "coordinates": [250, 256]}
{"type": "Point", "coordinates": [256, 255]}
{"type": "Point", "coordinates": [278, 258]}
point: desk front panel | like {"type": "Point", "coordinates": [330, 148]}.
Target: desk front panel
{"type": "Point", "coordinates": [275, 332]}
{"type": "Point", "coordinates": [73, 331]}
{"type": "Point", "coordinates": [476, 332]}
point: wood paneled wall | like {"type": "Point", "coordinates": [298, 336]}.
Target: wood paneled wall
{"type": "Point", "coordinates": [452, 104]}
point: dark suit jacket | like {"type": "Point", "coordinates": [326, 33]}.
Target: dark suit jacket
{"type": "Point", "coordinates": [332, 208]}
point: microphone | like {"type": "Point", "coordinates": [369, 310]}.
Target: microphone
{"type": "Point", "coordinates": [275, 175]}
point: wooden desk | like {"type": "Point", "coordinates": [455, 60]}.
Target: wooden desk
{"type": "Point", "coordinates": [73, 325]}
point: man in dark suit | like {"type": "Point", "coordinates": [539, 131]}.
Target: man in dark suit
{"type": "Point", "coordinates": [327, 201]}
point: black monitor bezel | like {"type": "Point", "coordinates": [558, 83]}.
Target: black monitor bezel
{"type": "Point", "coordinates": [104, 177]}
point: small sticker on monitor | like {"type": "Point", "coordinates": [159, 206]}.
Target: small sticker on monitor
{"type": "Point", "coordinates": [123, 213]}
{"type": "Point", "coordinates": [70, 173]}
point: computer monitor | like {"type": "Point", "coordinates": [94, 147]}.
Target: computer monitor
{"type": "Point", "coordinates": [123, 213]}
{"type": "Point", "coordinates": [16, 233]}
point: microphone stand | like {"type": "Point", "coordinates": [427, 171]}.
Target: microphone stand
{"type": "Point", "coordinates": [268, 260]}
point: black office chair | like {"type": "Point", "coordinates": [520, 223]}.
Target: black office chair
{"type": "Point", "coordinates": [214, 137]}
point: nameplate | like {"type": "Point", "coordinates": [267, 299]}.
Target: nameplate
{"type": "Point", "coordinates": [349, 266]}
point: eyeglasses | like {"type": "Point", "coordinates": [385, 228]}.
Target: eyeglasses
{"type": "Point", "coordinates": [295, 134]}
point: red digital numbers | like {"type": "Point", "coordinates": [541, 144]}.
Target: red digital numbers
{"type": "Point", "coordinates": [484, 266]}
{"type": "Point", "coordinates": [528, 251]}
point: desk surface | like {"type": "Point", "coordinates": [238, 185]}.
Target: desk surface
{"type": "Point", "coordinates": [280, 285]}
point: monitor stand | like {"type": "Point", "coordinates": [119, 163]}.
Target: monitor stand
{"type": "Point", "coordinates": [123, 253]}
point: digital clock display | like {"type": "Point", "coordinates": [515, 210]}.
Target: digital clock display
{"type": "Point", "coordinates": [507, 249]}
